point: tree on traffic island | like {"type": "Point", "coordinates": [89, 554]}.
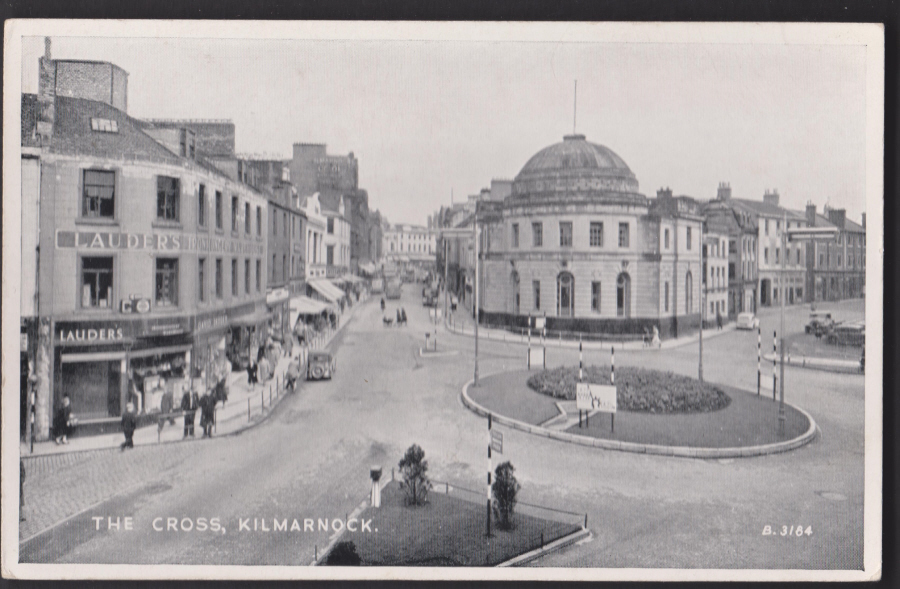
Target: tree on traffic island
{"type": "Point", "coordinates": [343, 554]}
{"type": "Point", "coordinates": [504, 489]}
{"type": "Point", "coordinates": [415, 483]}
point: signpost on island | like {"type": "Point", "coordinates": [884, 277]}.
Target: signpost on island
{"type": "Point", "coordinates": [596, 397]}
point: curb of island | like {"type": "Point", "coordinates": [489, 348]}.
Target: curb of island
{"type": "Point", "coordinates": [557, 544]}
{"type": "Point", "coordinates": [818, 363]}
{"type": "Point", "coordinates": [639, 448]}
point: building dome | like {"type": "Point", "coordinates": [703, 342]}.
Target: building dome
{"type": "Point", "coordinates": [575, 166]}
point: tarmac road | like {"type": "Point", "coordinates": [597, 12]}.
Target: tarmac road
{"type": "Point", "coordinates": [311, 460]}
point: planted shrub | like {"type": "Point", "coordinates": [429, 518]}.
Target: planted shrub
{"type": "Point", "coordinates": [343, 554]}
{"type": "Point", "coordinates": [414, 470]}
{"type": "Point", "coordinates": [637, 389]}
{"type": "Point", "coordinates": [504, 489]}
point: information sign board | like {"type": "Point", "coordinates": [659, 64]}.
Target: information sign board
{"type": "Point", "coordinates": [591, 397]}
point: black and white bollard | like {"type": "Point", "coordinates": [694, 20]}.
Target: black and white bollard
{"type": "Point", "coordinates": [612, 379]}
{"type": "Point", "coordinates": [489, 466]}
{"type": "Point", "coordinates": [774, 362]}
{"type": "Point", "coordinates": [758, 356]}
{"type": "Point", "coordinates": [375, 475]}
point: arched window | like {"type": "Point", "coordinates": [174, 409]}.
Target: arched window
{"type": "Point", "coordinates": [514, 283]}
{"type": "Point", "coordinates": [688, 293]}
{"type": "Point", "coordinates": [623, 295]}
{"type": "Point", "coordinates": [565, 295]}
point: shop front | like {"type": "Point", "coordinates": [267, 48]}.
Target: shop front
{"type": "Point", "coordinates": [278, 306]}
{"type": "Point", "coordinates": [245, 335]}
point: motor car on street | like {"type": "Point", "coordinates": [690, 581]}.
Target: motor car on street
{"type": "Point", "coordinates": [747, 321]}
{"type": "Point", "coordinates": [819, 323]}
{"type": "Point", "coordinates": [847, 334]}
{"type": "Point", "coordinates": [320, 365]}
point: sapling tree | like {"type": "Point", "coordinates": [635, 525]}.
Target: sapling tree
{"type": "Point", "coordinates": [504, 490]}
{"type": "Point", "coordinates": [414, 469]}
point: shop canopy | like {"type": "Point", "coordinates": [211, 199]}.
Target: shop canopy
{"type": "Point", "coordinates": [368, 268]}
{"type": "Point", "coordinates": [305, 306]}
{"type": "Point", "coordinates": [327, 289]}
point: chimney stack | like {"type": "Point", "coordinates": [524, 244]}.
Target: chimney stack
{"type": "Point", "coordinates": [771, 198]}
{"type": "Point", "coordinates": [810, 214]}
{"type": "Point", "coordinates": [664, 193]}
{"type": "Point", "coordinates": [837, 216]}
{"type": "Point", "coordinates": [46, 95]}
{"type": "Point", "coordinates": [724, 192]}
{"type": "Point", "coordinates": [864, 220]}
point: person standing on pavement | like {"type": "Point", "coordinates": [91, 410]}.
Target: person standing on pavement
{"type": "Point", "coordinates": [129, 424]}
{"type": "Point", "coordinates": [190, 402]}
{"type": "Point", "coordinates": [718, 320]}
{"type": "Point", "coordinates": [62, 422]}
{"type": "Point", "coordinates": [166, 406]}
{"type": "Point", "coordinates": [207, 412]}
{"type": "Point", "coordinates": [263, 369]}
{"type": "Point", "coordinates": [292, 374]}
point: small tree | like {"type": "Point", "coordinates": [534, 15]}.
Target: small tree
{"type": "Point", "coordinates": [343, 554]}
{"type": "Point", "coordinates": [504, 489]}
{"type": "Point", "coordinates": [415, 481]}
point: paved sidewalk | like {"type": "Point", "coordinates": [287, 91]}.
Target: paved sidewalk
{"type": "Point", "coordinates": [460, 323]}
{"type": "Point", "coordinates": [245, 407]}
{"type": "Point", "coordinates": [816, 363]}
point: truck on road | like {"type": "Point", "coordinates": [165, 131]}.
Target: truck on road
{"type": "Point", "coordinates": [393, 288]}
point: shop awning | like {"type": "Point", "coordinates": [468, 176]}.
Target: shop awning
{"type": "Point", "coordinates": [305, 306]}
{"type": "Point", "coordinates": [249, 320]}
{"type": "Point", "coordinates": [328, 290]}
{"type": "Point", "coordinates": [368, 268]}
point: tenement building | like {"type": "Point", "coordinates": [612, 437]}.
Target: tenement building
{"type": "Point", "coordinates": [577, 243]}
{"type": "Point", "coordinates": [147, 255]}
{"type": "Point", "coordinates": [836, 268]}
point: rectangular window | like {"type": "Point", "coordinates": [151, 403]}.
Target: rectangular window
{"type": "Point", "coordinates": [666, 238]}
{"type": "Point", "coordinates": [99, 190]}
{"type": "Point", "coordinates": [218, 210]}
{"type": "Point", "coordinates": [234, 277]}
{"type": "Point", "coordinates": [258, 277]}
{"type": "Point", "coordinates": [623, 235]}
{"type": "Point", "coordinates": [839, 259]}
{"type": "Point", "coordinates": [167, 193]}
{"type": "Point", "coordinates": [166, 282]}
{"type": "Point", "coordinates": [667, 297]}
{"type": "Point", "coordinates": [596, 234]}
{"type": "Point", "coordinates": [247, 218]}
{"type": "Point", "coordinates": [234, 213]}
{"type": "Point", "coordinates": [201, 279]}
{"type": "Point", "coordinates": [777, 255]}
{"type": "Point", "coordinates": [274, 222]}
{"type": "Point", "coordinates": [537, 234]}
{"type": "Point", "coordinates": [258, 221]}
{"type": "Point", "coordinates": [731, 270]}
{"type": "Point", "coordinates": [798, 255]}
{"type": "Point", "coordinates": [246, 276]}
{"type": "Point", "coordinates": [283, 267]}
{"type": "Point", "coordinates": [766, 255]}
{"type": "Point", "coordinates": [219, 278]}
{"type": "Point", "coordinates": [515, 235]}
{"type": "Point", "coordinates": [330, 227]}
{"type": "Point", "coordinates": [565, 234]}
{"type": "Point", "coordinates": [688, 239]}
{"type": "Point", "coordinates": [284, 223]}
{"type": "Point", "coordinates": [732, 245]}
{"type": "Point", "coordinates": [536, 287]}
{"type": "Point", "coordinates": [272, 268]}
{"type": "Point", "coordinates": [329, 255]}
{"type": "Point", "coordinates": [201, 206]}
{"type": "Point", "coordinates": [767, 226]}
{"type": "Point", "coordinates": [595, 297]}
{"type": "Point", "coordinates": [821, 260]}
{"type": "Point", "coordinates": [96, 282]}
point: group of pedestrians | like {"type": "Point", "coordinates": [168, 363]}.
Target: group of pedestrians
{"type": "Point", "coordinates": [401, 315]}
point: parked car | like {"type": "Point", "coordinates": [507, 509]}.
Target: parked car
{"type": "Point", "coordinates": [320, 365]}
{"type": "Point", "coordinates": [847, 334]}
{"type": "Point", "coordinates": [747, 321]}
{"type": "Point", "coordinates": [819, 323]}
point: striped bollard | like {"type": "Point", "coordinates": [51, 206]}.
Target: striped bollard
{"type": "Point", "coordinates": [528, 359]}
{"type": "Point", "coordinates": [758, 355]}
{"type": "Point", "coordinates": [489, 464]}
{"type": "Point", "coordinates": [612, 378]}
{"type": "Point", "coordinates": [774, 362]}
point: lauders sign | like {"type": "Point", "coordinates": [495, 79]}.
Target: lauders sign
{"type": "Point", "coordinates": [163, 242]}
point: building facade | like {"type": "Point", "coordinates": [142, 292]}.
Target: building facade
{"type": "Point", "coordinates": [337, 237]}
{"type": "Point", "coordinates": [741, 229]}
{"type": "Point", "coordinates": [143, 268]}
{"type": "Point", "coordinates": [578, 243]}
{"type": "Point", "coordinates": [715, 277]}
{"type": "Point", "coordinates": [836, 268]}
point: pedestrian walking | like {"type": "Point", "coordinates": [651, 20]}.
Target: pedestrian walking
{"type": "Point", "coordinates": [292, 374]}
{"type": "Point", "coordinates": [263, 369]}
{"type": "Point", "coordinates": [718, 320]}
{"type": "Point", "coordinates": [190, 402]}
{"type": "Point", "coordinates": [207, 414]}
{"type": "Point", "coordinates": [382, 304]}
{"type": "Point", "coordinates": [21, 490]}
{"type": "Point", "coordinates": [63, 421]}
{"type": "Point", "coordinates": [166, 407]}
{"type": "Point", "coordinates": [399, 317]}
{"type": "Point", "coordinates": [403, 315]}
{"type": "Point", "coordinates": [129, 424]}
{"type": "Point", "coordinates": [252, 374]}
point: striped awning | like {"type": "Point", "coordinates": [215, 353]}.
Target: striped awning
{"type": "Point", "coordinates": [327, 289]}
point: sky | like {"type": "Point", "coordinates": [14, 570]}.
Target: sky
{"type": "Point", "coordinates": [429, 118]}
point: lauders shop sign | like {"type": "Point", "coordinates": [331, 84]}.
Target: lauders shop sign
{"type": "Point", "coordinates": [161, 242]}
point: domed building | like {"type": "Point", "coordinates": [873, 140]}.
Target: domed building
{"type": "Point", "coordinates": [576, 242]}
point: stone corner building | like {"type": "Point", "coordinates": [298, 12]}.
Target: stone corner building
{"type": "Point", "coordinates": [576, 242]}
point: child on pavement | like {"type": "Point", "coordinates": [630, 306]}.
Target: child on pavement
{"type": "Point", "coordinates": [62, 422]}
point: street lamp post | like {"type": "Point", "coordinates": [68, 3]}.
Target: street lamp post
{"type": "Point", "coordinates": [783, 289]}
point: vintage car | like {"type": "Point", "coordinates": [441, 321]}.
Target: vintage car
{"type": "Point", "coordinates": [847, 334]}
{"type": "Point", "coordinates": [320, 365]}
{"type": "Point", "coordinates": [819, 323]}
{"type": "Point", "coordinates": [746, 321]}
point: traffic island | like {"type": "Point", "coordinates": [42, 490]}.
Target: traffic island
{"type": "Point", "coordinates": [724, 421]}
{"type": "Point", "coordinates": [449, 530]}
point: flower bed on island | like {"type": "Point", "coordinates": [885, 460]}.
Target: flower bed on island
{"type": "Point", "coordinates": [637, 389]}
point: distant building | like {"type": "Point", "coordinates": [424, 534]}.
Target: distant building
{"type": "Point", "coordinates": [740, 227]}
{"type": "Point", "coordinates": [836, 269]}
{"type": "Point", "coordinates": [715, 277]}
